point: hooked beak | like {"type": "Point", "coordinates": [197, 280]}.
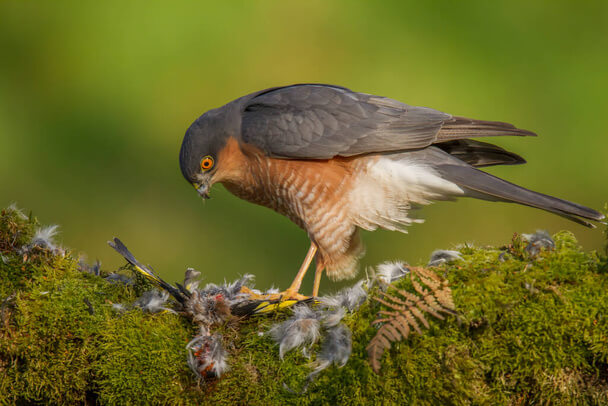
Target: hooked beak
{"type": "Point", "coordinates": [203, 190]}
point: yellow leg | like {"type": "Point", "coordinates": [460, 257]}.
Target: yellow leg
{"type": "Point", "coordinates": [315, 287]}
{"type": "Point", "coordinates": [292, 291]}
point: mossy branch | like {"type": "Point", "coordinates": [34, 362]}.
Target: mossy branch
{"type": "Point", "coordinates": [529, 330]}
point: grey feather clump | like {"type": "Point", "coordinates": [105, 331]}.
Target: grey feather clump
{"type": "Point", "coordinates": [301, 330]}
{"type": "Point", "coordinates": [207, 358]}
{"type": "Point", "coordinates": [335, 349]}
{"type": "Point", "coordinates": [153, 301]}
{"type": "Point", "coordinates": [119, 307]}
{"type": "Point", "coordinates": [538, 241]}
{"type": "Point", "coordinates": [439, 257]}
{"type": "Point", "coordinates": [190, 279]}
{"type": "Point", "coordinates": [349, 298]}
{"type": "Point", "coordinates": [44, 238]}
{"type": "Point", "coordinates": [332, 318]}
{"type": "Point", "coordinates": [119, 278]}
{"type": "Point", "coordinates": [94, 269]}
{"type": "Point", "coordinates": [324, 322]}
{"type": "Point", "coordinates": [211, 305]}
{"type": "Point", "coordinates": [389, 272]}
{"type": "Point", "coordinates": [232, 291]}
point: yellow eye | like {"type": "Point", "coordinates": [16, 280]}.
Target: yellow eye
{"type": "Point", "coordinates": [206, 163]}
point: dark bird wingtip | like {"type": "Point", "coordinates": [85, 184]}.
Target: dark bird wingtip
{"type": "Point", "coordinates": [525, 133]}
{"type": "Point", "coordinates": [117, 245]}
{"type": "Point", "coordinates": [531, 133]}
{"type": "Point", "coordinates": [599, 217]}
{"type": "Point", "coordinates": [115, 242]}
{"type": "Point", "coordinates": [592, 215]}
{"type": "Point", "coordinates": [122, 249]}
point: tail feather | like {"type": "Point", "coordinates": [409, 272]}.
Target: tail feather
{"type": "Point", "coordinates": [147, 272]}
{"type": "Point", "coordinates": [462, 127]}
{"type": "Point", "coordinates": [479, 182]}
{"type": "Point", "coordinates": [478, 154]}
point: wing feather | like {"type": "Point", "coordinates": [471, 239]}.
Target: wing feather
{"type": "Point", "coordinates": [312, 121]}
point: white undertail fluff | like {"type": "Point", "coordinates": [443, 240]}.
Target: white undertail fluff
{"type": "Point", "coordinates": [390, 186]}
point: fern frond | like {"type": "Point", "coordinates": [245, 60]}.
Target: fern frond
{"type": "Point", "coordinates": [407, 311]}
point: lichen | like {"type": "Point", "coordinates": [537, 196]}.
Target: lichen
{"type": "Point", "coordinates": [529, 329]}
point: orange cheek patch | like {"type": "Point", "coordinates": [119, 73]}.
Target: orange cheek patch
{"type": "Point", "coordinates": [232, 163]}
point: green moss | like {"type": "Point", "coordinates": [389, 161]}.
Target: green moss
{"type": "Point", "coordinates": [15, 231]}
{"type": "Point", "coordinates": [530, 330]}
{"type": "Point", "coordinates": [144, 359]}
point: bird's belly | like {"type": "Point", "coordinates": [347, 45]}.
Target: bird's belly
{"type": "Point", "coordinates": [306, 193]}
{"type": "Point", "coordinates": [303, 201]}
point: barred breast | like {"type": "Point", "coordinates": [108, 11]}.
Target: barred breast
{"type": "Point", "coordinates": [313, 194]}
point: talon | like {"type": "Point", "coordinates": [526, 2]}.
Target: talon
{"type": "Point", "coordinates": [260, 303]}
{"type": "Point", "coordinates": [289, 294]}
{"type": "Point", "coordinates": [286, 295]}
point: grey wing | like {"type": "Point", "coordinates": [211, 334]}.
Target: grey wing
{"type": "Point", "coordinates": [322, 121]}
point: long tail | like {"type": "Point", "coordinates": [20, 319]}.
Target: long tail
{"type": "Point", "coordinates": [479, 184]}
{"type": "Point", "coordinates": [458, 128]}
{"type": "Point", "coordinates": [178, 294]}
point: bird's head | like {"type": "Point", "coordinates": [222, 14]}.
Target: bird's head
{"type": "Point", "coordinates": [198, 157]}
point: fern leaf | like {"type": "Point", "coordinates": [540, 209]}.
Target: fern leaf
{"type": "Point", "coordinates": [391, 332]}
{"type": "Point", "coordinates": [403, 326]}
{"type": "Point", "coordinates": [408, 310]}
{"type": "Point", "coordinates": [416, 311]}
{"type": "Point", "coordinates": [412, 321]}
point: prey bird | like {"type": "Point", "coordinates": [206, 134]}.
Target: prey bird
{"type": "Point", "coordinates": [335, 161]}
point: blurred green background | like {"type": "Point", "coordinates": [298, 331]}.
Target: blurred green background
{"type": "Point", "coordinates": [95, 98]}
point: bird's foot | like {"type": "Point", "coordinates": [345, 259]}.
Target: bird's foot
{"type": "Point", "coordinates": [264, 303]}
{"type": "Point", "coordinates": [289, 294]}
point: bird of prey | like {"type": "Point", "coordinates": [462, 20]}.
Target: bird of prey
{"type": "Point", "coordinates": [335, 161]}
